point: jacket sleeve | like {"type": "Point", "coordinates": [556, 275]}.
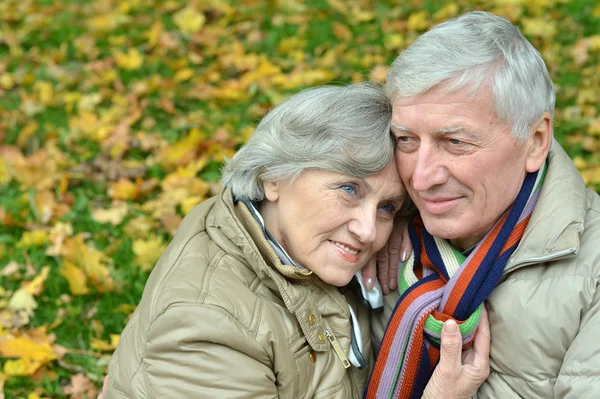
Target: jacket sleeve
{"type": "Point", "coordinates": [201, 351]}
{"type": "Point", "coordinates": [579, 375]}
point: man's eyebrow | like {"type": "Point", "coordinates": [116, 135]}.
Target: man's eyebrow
{"type": "Point", "coordinates": [453, 129]}
{"type": "Point", "coordinates": [400, 128]}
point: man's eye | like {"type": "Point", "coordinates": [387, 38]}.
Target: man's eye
{"type": "Point", "coordinates": [402, 139]}
{"type": "Point", "coordinates": [455, 141]}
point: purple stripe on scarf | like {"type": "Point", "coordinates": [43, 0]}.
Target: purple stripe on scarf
{"type": "Point", "coordinates": [404, 331]}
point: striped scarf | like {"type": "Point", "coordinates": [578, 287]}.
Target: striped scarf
{"type": "Point", "coordinates": [438, 283]}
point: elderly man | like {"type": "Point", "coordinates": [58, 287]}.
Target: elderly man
{"type": "Point", "coordinates": [504, 217]}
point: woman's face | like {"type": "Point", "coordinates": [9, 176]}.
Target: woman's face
{"type": "Point", "coordinates": [331, 223]}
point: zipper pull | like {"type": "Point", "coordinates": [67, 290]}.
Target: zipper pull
{"type": "Point", "coordinates": [337, 348]}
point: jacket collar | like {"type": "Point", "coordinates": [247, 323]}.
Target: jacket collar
{"type": "Point", "coordinates": [558, 218]}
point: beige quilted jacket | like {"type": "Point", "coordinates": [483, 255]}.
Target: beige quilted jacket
{"type": "Point", "coordinates": [545, 312]}
{"type": "Point", "coordinates": [221, 317]}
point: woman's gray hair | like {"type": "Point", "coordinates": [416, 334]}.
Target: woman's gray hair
{"type": "Point", "coordinates": [341, 129]}
{"type": "Point", "coordinates": [469, 51]}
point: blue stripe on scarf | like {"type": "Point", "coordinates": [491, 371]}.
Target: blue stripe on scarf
{"type": "Point", "coordinates": [487, 275]}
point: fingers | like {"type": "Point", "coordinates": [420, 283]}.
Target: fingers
{"type": "Point", "coordinates": [483, 340]}
{"type": "Point", "coordinates": [369, 273]}
{"type": "Point", "coordinates": [383, 267]}
{"type": "Point", "coordinates": [399, 251]}
{"type": "Point", "coordinates": [451, 347]}
{"type": "Point", "coordinates": [101, 395]}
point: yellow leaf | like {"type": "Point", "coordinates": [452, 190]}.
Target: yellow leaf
{"type": "Point", "coordinates": [184, 74]}
{"type": "Point", "coordinates": [35, 238]}
{"type": "Point", "coordinates": [148, 251]}
{"type": "Point", "coordinates": [103, 346]}
{"type": "Point", "coordinates": [14, 368]}
{"type": "Point", "coordinates": [26, 133]}
{"type": "Point", "coordinates": [123, 189]}
{"type": "Point", "coordinates": [7, 81]}
{"type": "Point", "coordinates": [45, 205]}
{"type": "Point", "coordinates": [188, 20]}
{"type": "Point", "coordinates": [288, 45]}
{"type": "Point", "coordinates": [341, 31]}
{"type": "Point", "coordinates": [189, 203]}
{"type": "Point", "coordinates": [418, 21]}
{"type": "Point", "coordinates": [131, 60]}
{"type": "Point", "coordinates": [183, 151]}
{"type": "Point", "coordinates": [89, 260]}
{"type": "Point", "coordinates": [448, 11]}
{"type": "Point", "coordinates": [539, 27]}
{"type": "Point", "coordinates": [5, 176]}
{"type": "Point", "coordinates": [339, 6]}
{"type": "Point", "coordinates": [22, 300]}
{"type": "Point", "coordinates": [36, 171]}
{"type": "Point", "coordinates": [45, 92]}
{"type": "Point", "coordinates": [33, 350]}
{"type": "Point", "coordinates": [393, 41]}
{"type": "Point", "coordinates": [75, 277]}
{"type": "Point", "coordinates": [156, 30]}
{"type": "Point", "coordinates": [126, 308]}
{"type": "Point", "coordinates": [113, 215]}
{"type": "Point", "coordinates": [36, 286]}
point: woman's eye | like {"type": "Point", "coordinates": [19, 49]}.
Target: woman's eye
{"type": "Point", "coordinates": [389, 208]}
{"type": "Point", "coordinates": [349, 188]}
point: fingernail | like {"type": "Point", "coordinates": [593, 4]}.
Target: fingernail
{"type": "Point", "coordinates": [450, 326]}
{"type": "Point", "coordinates": [404, 256]}
{"type": "Point", "coordinates": [392, 283]}
{"type": "Point", "coordinates": [369, 284]}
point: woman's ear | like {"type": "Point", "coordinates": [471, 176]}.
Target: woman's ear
{"type": "Point", "coordinates": [271, 189]}
{"type": "Point", "coordinates": [540, 141]}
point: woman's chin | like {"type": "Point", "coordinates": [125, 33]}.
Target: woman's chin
{"type": "Point", "coordinates": [337, 279]}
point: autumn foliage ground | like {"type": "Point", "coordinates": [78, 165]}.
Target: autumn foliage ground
{"type": "Point", "coordinates": [115, 116]}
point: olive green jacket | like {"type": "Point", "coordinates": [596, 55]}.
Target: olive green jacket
{"type": "Point", "coordinates": [221, 317]}
{"type": "Point", "coordinates": [545, 312]}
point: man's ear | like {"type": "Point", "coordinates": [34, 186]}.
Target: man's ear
{"type": "Point", "coordinates": [539, 144]}
{"type": "Point", "coordinates": [272, 190]}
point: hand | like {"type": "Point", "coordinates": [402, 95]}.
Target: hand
{"type": "Point", "coordinates": [459, 375]}
{"type": "Point", "coordinates": [101, 395]}
{"type": "Point", "coordinates": [385, 264]}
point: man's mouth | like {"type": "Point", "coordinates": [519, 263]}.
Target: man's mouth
{"type": "Point", "coordinates": [438, 206]}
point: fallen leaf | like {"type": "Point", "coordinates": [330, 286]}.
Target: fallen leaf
{"type": "Point", "coordinates": [148, 251]}
{"type": "Point", "coordinates": [188, 20]}
{"type": "Point", "coordinates": [113, 215]}
{"type": "Point", "coordinates": [81, 388]}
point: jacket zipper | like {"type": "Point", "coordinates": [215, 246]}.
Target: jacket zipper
{"type": "Point", "coordinates": [337, 348]}
{"type": "Point", "coordinates": [541, 259]}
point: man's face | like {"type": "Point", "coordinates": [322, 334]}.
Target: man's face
{"type": "Point", "coordinates": [458, 161]}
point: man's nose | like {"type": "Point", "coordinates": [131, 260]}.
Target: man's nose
{"type": "Point", "coordinates": [363, 224]}
{"type": "Point", "coordinates": [430, 170]}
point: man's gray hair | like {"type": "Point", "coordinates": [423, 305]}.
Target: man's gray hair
{"type": "Point", "coordinates": [470, 51]}
{"type": "Point", "coordinates": [340, 129]}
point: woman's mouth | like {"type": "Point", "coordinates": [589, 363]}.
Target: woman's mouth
{"type": "Point", "coordinates": [346, 252]}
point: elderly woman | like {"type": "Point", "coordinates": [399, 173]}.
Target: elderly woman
{"type": "Point", "coordinates": [244, 303]}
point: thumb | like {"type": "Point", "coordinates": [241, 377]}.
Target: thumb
{"type": "Point", "coordinates": [451, 347]}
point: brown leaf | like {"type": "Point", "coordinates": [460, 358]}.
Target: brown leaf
{"type": "Point", "coordinates": [81, 388]}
